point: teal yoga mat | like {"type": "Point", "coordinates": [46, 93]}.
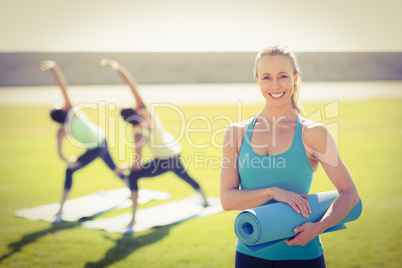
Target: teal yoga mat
{"type": "Point", "coordinates": [267, 225]}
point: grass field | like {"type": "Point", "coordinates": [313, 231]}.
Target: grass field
{"type": "Point", "coordinates": [370, 142]}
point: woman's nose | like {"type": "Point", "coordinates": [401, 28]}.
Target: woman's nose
{"type": "Point", "coordinates": [275, 83]}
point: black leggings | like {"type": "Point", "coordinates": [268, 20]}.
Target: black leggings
{"type": "Point", "coordinates": [243, 260]}
{"type": "Point", "coordinates": [159, 166]}
{"type": "Point", "coordinates": [89, 156]}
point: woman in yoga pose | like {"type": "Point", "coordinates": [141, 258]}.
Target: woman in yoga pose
{"type": "Point", "coordinates": [147, 127]}
{"type": "Point", "coordinates": [279, 134]}
{"type": "Point", "coordinates": [80, 131]}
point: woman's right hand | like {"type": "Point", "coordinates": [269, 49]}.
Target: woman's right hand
{"type": "Point", "coordinates": [72, 162]}
{"type": "Point", "coordinates": [111, 63]}
{"type": "Point", "coordinates": [297, 201]}
{"type": "Point", "coordinates": [47, 65]}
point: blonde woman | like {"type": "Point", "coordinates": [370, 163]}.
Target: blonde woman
{"type": "Point", "coordinates": [295, 147]}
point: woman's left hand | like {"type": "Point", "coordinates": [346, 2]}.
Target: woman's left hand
{"type": "Point", "coordinates": [305, 233]}
{"type": "Point", "coordinates": [73, 163]}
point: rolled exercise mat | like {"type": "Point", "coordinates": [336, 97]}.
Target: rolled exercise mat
{"type": "Point", "coordinates": [267, 225]}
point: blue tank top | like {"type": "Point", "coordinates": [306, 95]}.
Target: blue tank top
{"type": "Point", "coordinates": [291, 171]}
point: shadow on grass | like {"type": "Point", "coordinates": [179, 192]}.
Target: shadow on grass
{"type": "Point", "coordinates": [127, 244]}
{"type": "Point", "coordinates": [31, 238]}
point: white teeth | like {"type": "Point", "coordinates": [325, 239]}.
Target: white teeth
{"type": "Point", "coordinates": [277, 95]}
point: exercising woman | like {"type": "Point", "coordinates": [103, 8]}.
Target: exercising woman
{"type": "Point", "coordinates": [81, 132]}
{"type": "Point", "coordinates": [164, 149]}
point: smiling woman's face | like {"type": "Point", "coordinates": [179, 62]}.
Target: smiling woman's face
{"type": "Point", "coordinates": [276, 79]}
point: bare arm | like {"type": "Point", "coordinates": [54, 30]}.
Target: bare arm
{"type": "Point", "coordinates": [348, 196]}
{"type": "Point", "coordinates": [72, 162]}
{"type": "Point", "coordinates": [322, 146]}
{"type": "Point", "coordinates": [128, 79]}
{"type": "Point", "coordinates": [60, 135]}
{"type": "Point", "coordinates": [61, 81]}
{"type": "Point", "coordinates": [136, 162]}
{"type": "Point", "coordinates": [326, 151]}
{"type": "Point", "coordinates": [233, 198]}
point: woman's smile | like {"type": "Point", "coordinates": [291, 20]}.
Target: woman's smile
{"type": "Point", "coordinates": [277, 96]}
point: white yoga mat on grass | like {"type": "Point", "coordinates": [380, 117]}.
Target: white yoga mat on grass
{"type": "Point", "coordinates": [90, 205]}
{"type": "Point", "coordinates": [161, 215]}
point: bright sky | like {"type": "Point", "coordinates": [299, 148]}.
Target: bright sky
{"type": "Point", "coordinates": [207, 25]}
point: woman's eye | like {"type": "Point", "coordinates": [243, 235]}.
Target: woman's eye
{"type": "Point", "coordinates": [267, 78]}
{"type": "Point", "coordinates": [284, 76]}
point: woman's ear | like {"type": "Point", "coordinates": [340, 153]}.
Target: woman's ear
{"type": "Point", "coordinates": [296, 76]}
{"type": "Point", "coordinates": [257, 80]}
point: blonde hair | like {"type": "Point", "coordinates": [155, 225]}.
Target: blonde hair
{"type": "Point", "coordinates": [284, 51]}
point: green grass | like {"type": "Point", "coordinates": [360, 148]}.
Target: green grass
{"type": "Point", "coordinates": [31, 174]}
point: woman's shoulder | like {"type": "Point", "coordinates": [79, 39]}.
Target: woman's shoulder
{"type": "Point", "coordinates": [75, 113]}
{"type": "Point", "coordinates": [314, 133]}
{"type": "Point", "coordinates": [235, 132]}
{"type": "Point", "coordinates": [242, 125]}
{"type": "Point", "coordinates": [312, 126]}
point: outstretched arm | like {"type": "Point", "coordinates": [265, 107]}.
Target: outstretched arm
{"type": "Point", "coordinates": [61, 81]}
{"type": "Point", "coordinates": [128, 79]}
